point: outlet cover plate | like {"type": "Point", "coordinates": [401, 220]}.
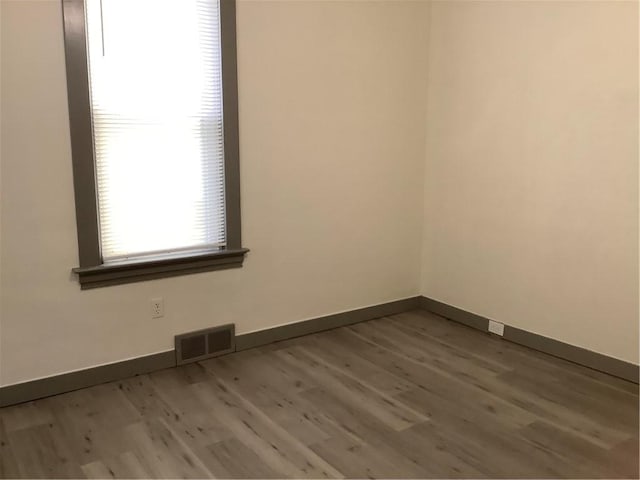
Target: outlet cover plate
{"type": "Point", "coordinates": [496, 327]}
{"type": "Point", "coordinates": [157, 307]}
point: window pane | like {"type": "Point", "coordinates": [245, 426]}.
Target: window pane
{"type": "Point", "coordinates": [156, 96]}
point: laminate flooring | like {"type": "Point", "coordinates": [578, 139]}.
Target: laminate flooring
{"type": "Point", "coordinates": [406, 396]}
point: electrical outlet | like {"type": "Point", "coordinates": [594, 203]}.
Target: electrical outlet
{"type": "Point", "coordinates": [496, 327]}
{"type": "Point", "coordinates": [157, 307]}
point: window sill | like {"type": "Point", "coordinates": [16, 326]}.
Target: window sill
{"type": "Point", "coordinates": [117, 274]}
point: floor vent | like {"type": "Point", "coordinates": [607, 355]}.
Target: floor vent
{"type": "Point", "coordinates": [207, 343]}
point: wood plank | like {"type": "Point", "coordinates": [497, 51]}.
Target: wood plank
{"type": "Point", "coordinates": [446, 451]}
{"type": "Point", "coordinates": [25, 415]}
{"type": "Point", "coordinates": [492, 450]}
{"type": "Point", "coordinates": [40, 452]}
{"type": "Point", "coordinates": [269, 441]}
{"type": "Point", "coordinates": [351, 363]}
{"type": "Point", "coordinates": [441, 384]}
{"type": "Point", "coordinates": [92, 421]}
{"type": "Point", "coordinates": [352, 392]}
{"type": "Point", "coordinates": [126, 465]}
{"type": "Point", "coordinates": [624, 418]}
{"type": "Point", "coordinates": [421, 347]}
{"type": "Point", "coordinates": [277, 399]}
{"type": "Point", "coordinates": [357, 460]}
{"type": "Point", "coordinates": [161, 453]}
{"type": "Point", "coordinates": [499, 392]}
{"type": "Point", "coordinates": [624, 458]}
{"type": "Point", "coordinates": [8, 464]}
{"type": "Point", "coordinates": [360, 424]}
{"type": "Point", "coordinates": [586, 458]}
{"type": "Point", "coordinates": [233, 459]}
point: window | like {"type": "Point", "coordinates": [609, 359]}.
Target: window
{"type": "Point", "coordinates": [154, 132]}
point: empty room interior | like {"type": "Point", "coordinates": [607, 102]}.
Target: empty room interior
{"type": "Point", "coordinates": [319, 239]}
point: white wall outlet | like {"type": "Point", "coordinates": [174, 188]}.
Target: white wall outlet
{"type": "Point", "coordinates": [496, 327]}
{"type": "Point", "coordinates": [157, 307]}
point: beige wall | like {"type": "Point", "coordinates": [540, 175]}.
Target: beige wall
{"type": "Point", "coordinates": [332, 111]}
{"type": "Point", "coordinates": [530, 185]}
{"type": "Point", "coordinates": [531, 180]}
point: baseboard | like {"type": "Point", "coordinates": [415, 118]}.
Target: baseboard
{"type": "Point", "coordinates": [582, 356]}
{"type": "Point", "coordinates": [32, 390]}
{"type": "Point", "coordinates": [45, 387]}
{"type": "Point", "coordinates": [452, 313]}
{"type": "Point", "coordinates": [306, 327]}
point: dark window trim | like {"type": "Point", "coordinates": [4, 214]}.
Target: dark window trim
{"type": "Point", "coordinates": [91, 271]}
{"type": "Point", "coordinates": [118, 273]}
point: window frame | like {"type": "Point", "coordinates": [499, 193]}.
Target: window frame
{"type": "Point", "coordinates": [92, 272]}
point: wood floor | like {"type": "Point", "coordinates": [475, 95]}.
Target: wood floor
{"type": "Point", "coordinates": [407, 396]}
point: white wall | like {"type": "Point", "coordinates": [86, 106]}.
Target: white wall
{"type": "Point", "coordinates": [531, 180]}
{"type": "Point", "coordinates": [332, 112]}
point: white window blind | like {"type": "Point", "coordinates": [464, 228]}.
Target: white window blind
{"type": "Point", "coordinates": [156, 99]}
